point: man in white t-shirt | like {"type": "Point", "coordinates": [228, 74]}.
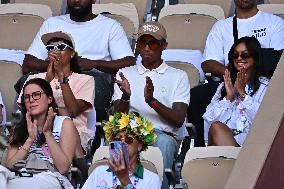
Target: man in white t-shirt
{"type": "Point", "coordinates": [101, 42]}
{"type": "Point", "coordinates": [160, 93]}
{"type": "Point", "coordinates": [267, 28]}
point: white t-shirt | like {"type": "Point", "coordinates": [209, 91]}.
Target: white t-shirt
{"type": "Point", "coordinates": [99, 39]}
{"type": "Point", "coordinates": [267, 28]}
{"type": "Point", "coordinates": [170, 85]}
{"type": "Point", "coordinates": [101, 178]}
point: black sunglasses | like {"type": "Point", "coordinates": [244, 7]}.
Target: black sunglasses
{"type": "Point", "coordinates": [35, 95]}
{"type": "Point", "coordinates": [152, 44]}
{"type": "Point", "coordinates": [243, 56]}
{"type": "Point", "coordinates": [127, 139]}
{"type": "Point", "coordinates": [59, 47]}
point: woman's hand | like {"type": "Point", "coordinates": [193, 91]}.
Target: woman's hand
{"type": "Point", "coordinates": [50, 74]}
{"type": "Point", "coordinates": [48, 122]}
{"type": "Point", "coordinates": [32, 127]}
{"type": "Point", "coordinates": [241, 81]}
{"type": "Point", "coordinates": [230, 89]}
{"type": "Point", "coordinates": [120, 169]}
{"type": "Point", "coordinates": [124, 86]}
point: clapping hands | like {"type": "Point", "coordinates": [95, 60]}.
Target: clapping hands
{"type": "Point", "coordinates": [239, 85]}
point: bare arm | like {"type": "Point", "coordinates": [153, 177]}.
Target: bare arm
{"type": "Point", "coordinates": [74, 106]}
{"type": "Point", "coordinates": [31, 63]}
{"type": "Point", "coordinates": [214, 67]}
{"type": "Point", "coordinates": [174, 115]}
{"type": "Point", "coordinates": [63, 152]}
{"type": "Point", "coordinates": [15, 154]}
{"type": "Point", "coordinates": [106, 66]}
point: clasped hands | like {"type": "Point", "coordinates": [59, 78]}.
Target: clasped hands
{"type": "Point", "coordinates": [239, 86]}
{"type": "Point", "coordinates": [124, 86]}
{"type": "Point", "coordinates": [55, 66]}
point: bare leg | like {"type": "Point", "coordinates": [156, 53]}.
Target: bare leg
{"type": "Point", "coordinates": [221, 135]}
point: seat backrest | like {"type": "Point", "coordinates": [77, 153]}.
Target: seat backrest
{"type": "Point", "coordinates": [154, 155]}
{"type": "Point", "coordinates": [188, 25]}
{"type": "Point", "coordinates": [227, 5]}
{"type": "Point", "coordinates": [42, 11]}
{"type": "Point", "coordinates": [191, 71]}
{"type": "Point", "coordinates": [17, 31]}
{"type": "Point", "coordinates": [276, 1]}
{"type": "Point", "coordinates": [10, 72]}
{"type": "Point", "coordinates": [151, 159]}
{"type": "Point", "coordinates": [208, 173]}
{"type": "Point", "coordinates": [55, 5]}
{"type": "Point", "coordinates": [139, 4]}
{"type": "Point", "coordinates": [125, 13]}
{"type": "Point", "coordinates": [276, 9]}
{"type": "Point", "coordinates": [211, 164]}
{"type": "Point", "coordinates": [212, 151]}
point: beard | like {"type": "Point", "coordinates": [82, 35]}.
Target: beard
{"type": "Point", "coordinates": [245, 4]}
{"type": "Point", "coordinates": [80, 13]}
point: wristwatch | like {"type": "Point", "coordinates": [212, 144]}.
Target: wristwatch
{"type": "Point", "coordinates": [64, 80]}
{"type": "Point", "coordinates": [128, 186]}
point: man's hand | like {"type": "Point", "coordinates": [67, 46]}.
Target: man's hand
{"type": "Point", "coordinates": [124, 86]}
{"type": "Point", "coordinates": [148, 90]}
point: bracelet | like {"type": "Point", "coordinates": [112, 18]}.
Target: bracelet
{"type": "Point", "coordinates": [126, 101]}
{"type": "Point", "coordinates": [23, 148]}
{"type": "Point", "coordinates": [243, 95]}
{"type": "Point", "coordinates": [154, 104]}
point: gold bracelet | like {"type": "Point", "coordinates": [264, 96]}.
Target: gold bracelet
{"type": "Point", "coordinates": [243, 95]}
{"type": "Point", "coordinates": [22, 147]}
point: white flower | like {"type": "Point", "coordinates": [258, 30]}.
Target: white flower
{"type": "Point", "coordinates": [133, 124]}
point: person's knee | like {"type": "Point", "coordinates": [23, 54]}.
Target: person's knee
{"type": "Point", "coordinates": [215, 128]}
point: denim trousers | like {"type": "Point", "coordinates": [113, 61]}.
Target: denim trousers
{"type": "Point", "coordinates": [169, 148]}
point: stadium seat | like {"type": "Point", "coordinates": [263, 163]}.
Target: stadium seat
{"type": "Point", "coordinates": [55, 5]}
{"type": "Point", "coordinates": [139, 4]}
{"type": "Point", "coordinates": [10, 72]}
{"type": "Point", "coordinates": [151, 159]}
{"type": "Point", "coordinates": [191, 70]}
{"type": "Point", "coordinates": [188, 25]}
{"type": "Point", "coordinates": [208, 167]}
{"type": "Point", "coordinates": [227, 5]}
{"type": "Point", "coordinates": [276, 9]}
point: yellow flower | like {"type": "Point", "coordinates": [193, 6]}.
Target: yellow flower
{"type": "Point", "coordinates": [139, 121]}
{"type": "Point", "coordinates": [123, 122]}
{"type": "Point", "coordinates": [111, 118]}
{"type": "Point", "coordinates": [149, 126]}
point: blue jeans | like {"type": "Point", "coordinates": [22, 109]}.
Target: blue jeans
{"type": "Point", "coordinates": [169, 148]}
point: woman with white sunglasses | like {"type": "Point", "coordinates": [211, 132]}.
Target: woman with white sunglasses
{"type": "Point", "coordinates": [73, 92]}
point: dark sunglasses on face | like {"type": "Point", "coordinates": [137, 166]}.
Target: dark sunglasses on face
{"type": "Point", "coordinates": [243, 56]}
{"type": "Point", "coordinates": [152, 44]}
{"type": "Point", "coordinates": [35, 95]}
{"type": "Point", "coordinates": [127, 139]}
{"type": "Point", "coordinates": [59, 47]}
